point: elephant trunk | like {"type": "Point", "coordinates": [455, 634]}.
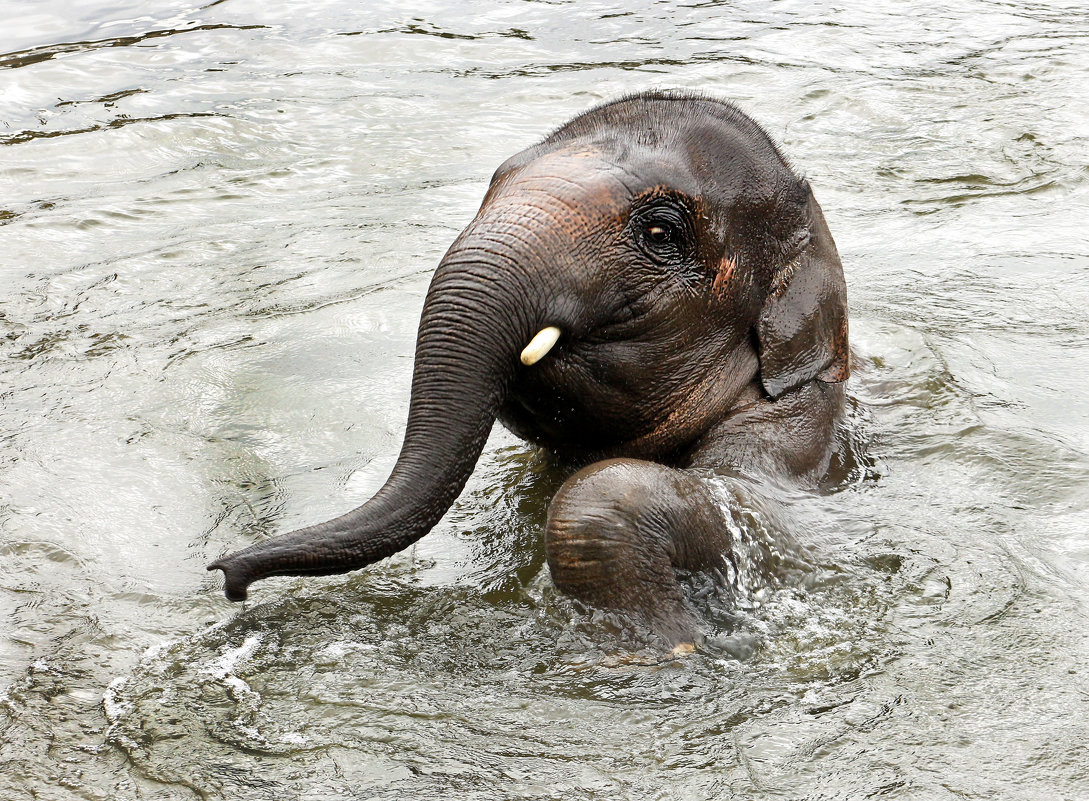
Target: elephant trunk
{"type": "Point", "coordinates": [475, 321]}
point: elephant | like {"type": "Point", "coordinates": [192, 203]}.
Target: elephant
{"type": "Point", "coordinates": [650, 292]}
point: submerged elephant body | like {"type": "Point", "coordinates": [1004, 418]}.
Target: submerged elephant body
{"type": "Point", "coordinates": [686, 308]}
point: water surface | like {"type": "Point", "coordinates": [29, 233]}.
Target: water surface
{"type": "Point", "coordinates": [216, 227]}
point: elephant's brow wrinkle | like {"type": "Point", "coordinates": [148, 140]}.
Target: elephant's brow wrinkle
{"type": "Point", "coordinates": [518, 232]}
{"type": "Point", "coordinates": [559, 178]}
{"type": "Point", "coordinates": [568, 204]}
{"type": "Point", "coordinates": [503, 239]}
{"type": "Point", "coordinates": [524, 209]}
{"type": "Point", "coordinates": [608, 173]}
{"type": "Point", "coordinates": [523, 214]}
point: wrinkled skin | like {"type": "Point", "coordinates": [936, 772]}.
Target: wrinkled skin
{"type": "Point", "coordinates": [703, 321]}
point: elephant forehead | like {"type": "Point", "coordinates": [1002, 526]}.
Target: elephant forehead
{"type": "Point", "coordinates": [578, 178]}
{"type": "Point", "coordinates": [595, 179]}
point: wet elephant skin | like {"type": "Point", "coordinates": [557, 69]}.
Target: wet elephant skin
{"type": "Point", "coordinates": [701, 315]}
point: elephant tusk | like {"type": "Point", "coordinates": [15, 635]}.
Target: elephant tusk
{"type": "Point", "coordinates": [540, 345]}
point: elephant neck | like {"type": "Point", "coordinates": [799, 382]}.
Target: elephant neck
{"type": "Point", "coordinates": [719, 394]}
{"type": "Point", "coordinates": [789, 440]}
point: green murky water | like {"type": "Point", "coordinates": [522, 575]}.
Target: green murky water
{"type": "Point", "coordinates": [216, 227]}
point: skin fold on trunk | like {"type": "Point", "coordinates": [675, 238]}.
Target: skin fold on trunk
{"type": "Point", "coordinates": [468, 346]}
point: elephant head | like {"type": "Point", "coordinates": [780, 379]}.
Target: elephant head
{"type": "Point", "coordinates": [627, 283]}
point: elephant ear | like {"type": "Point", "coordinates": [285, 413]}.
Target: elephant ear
{"type": "Point", "coordinates": [802, 329]}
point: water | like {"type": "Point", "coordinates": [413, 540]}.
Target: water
{"type": "Point", "coordinates": [216, 227]}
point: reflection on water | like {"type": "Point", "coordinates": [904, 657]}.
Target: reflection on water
{"type": "Point", "coordinates": [216, 227]}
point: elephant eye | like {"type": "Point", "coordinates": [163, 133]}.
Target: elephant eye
{"type": "Point", "coordinates": [659, 234]}
{"type": "Point", "coordinates": [663, 233]}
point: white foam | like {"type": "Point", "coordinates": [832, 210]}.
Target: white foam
{"type": "Point", "coordinates": [225, 664]}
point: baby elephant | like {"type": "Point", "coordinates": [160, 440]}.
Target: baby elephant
{"type": "Point", "coordinates": [651, 291]}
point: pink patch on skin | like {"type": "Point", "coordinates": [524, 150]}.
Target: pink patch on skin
{"type": "Point", "coordinates": [726, 269]}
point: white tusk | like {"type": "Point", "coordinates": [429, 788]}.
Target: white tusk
{"type": "Point", "coordinates": [540, 345]}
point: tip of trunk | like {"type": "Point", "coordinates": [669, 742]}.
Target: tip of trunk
{"type": "Point", "coordinates": [464, 365]}
{"type": "Point", "coordinates": [236, 577]}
